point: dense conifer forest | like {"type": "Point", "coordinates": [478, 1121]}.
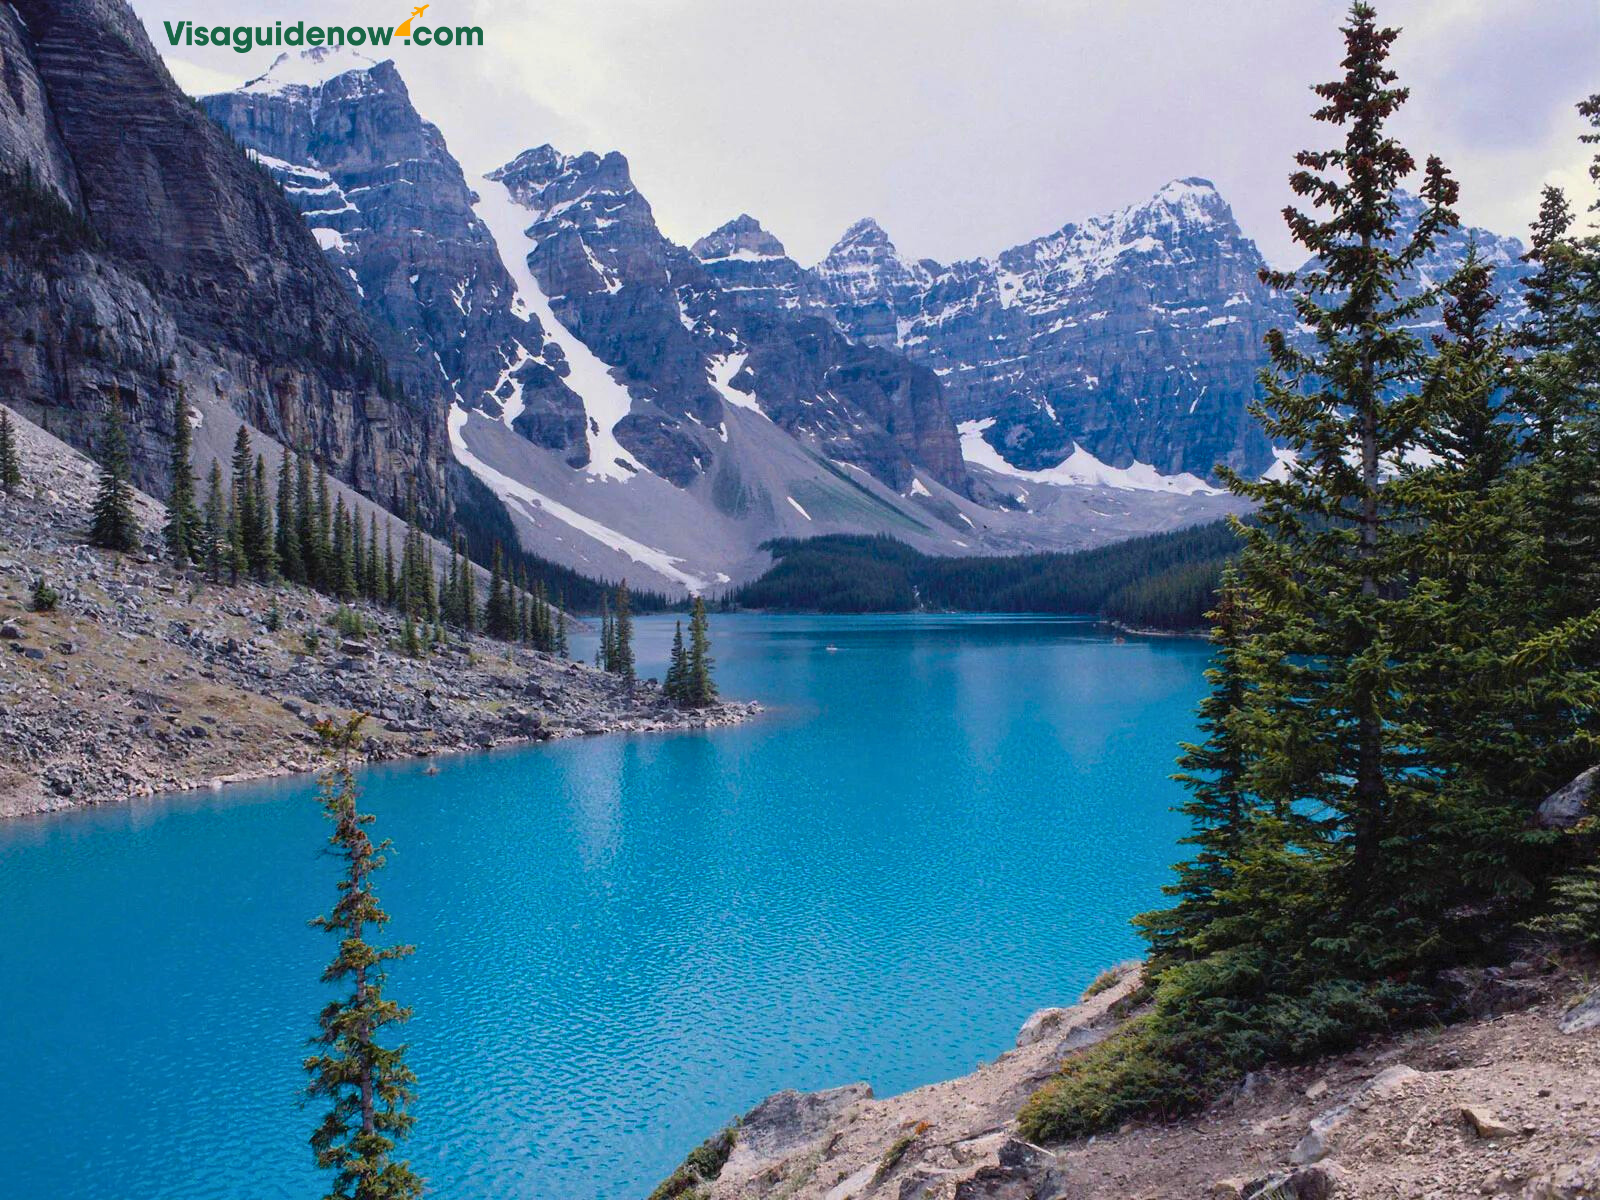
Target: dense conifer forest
{"type": "Point", "coordinates": [1163, 581]}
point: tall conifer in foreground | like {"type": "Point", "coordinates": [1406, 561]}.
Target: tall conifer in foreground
{"type": "Point", "coordinates": [10, 455]}
{"type": "Point", "coordinates": [183, 529]}
{"type": "Point", "coordinates": [674, 685]}
{"type": "Point", "coordinates": [368, 1085]}
{"type": "Point", "coordinates": [113, 525]}
{"type": "Point", "coordinates": [290, 561]}
{"type": "Point", "coordinates": [214, 536]}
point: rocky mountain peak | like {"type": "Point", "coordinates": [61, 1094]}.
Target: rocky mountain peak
{"type": "Point", "coordinates": [742, 237]}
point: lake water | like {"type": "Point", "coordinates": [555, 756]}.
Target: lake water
{"type": "Point", "coordinates": [942, 824]}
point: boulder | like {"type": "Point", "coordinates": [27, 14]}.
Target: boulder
{"type": "Point", "coordinates": [1583, 1016]}
{"type": "Point", "coordinates": [1564, 808]}
{"type": "Point", "coordinates": [788, 1120]}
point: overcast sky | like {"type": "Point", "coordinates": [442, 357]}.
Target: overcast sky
{"type": "Point", "coordinates": [963, 126]}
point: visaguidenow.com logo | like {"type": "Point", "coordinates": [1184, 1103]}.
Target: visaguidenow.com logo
{"type": "Point", "coordinates": [244, 38]}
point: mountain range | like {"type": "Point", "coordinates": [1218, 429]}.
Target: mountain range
{"type": "Point", "coordinates": [641, 408]}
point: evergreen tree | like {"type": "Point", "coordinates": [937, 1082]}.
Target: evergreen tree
{"type": "Point", "coordinates": [263, 550]}
{"type": "Point", "coordinates": [214, 537]}
{"type": "Point", "coordinates": [10, 455]}
{"type": "Point", "coordinates": [237, 562]}
{"type": "Point", "coordinates": [344, 573]}
{"type": "Point", "coordinates": [366, 1083]}
{"type": "Point", "coordinates": [1328, 548]}
{"type": "Point", "coordinates": [622, 635]}
{"type": "Point", "coordinates": [183, 529]}
{"type": "Point", "coordinates": [372, 585]}
{"type": "Point", "coordinates": [469, 593]}
{"type": "Point", "coordinates": [500, 620]}
{"type": "Point", "coordinates": [605, 655]}
{"type": "Point", "coordinates": [563, 645]}
{"type": "Point", "coordinates": [391, 595]}
{"type": "Point", "coordinates": [322, 537]}
{"type": "Point", "coordinates": [1219, 806]}
{"type": "Point", "coordinates": [290, 560]}
{"type": "Point", "coordinates": [674, 687]}
{"type": "Point", "coordinates": [113, 525]}
{"type": "Point", "coordinates": [246, 537]}
{"type": "Point", "coordinates": [307, 521]}
{"type": "Point", "coordinates": [701, 691]}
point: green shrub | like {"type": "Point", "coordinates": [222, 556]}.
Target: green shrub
{"type": "Point", "coordinates": [44, 598]}
{"type": "Point", "coordinates": [704, 1164]}
{"type": "Point", "coordinates": [347, 622]}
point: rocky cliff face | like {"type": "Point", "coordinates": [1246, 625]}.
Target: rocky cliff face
{"type": "Point", "coordinates": [190, 269]}
{"type": "Point", "coordinates": [392, 211]}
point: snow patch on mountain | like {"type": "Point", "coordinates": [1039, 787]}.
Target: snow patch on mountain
{"type": "Point", "coordinates": [521, 496]}
{"type": "Point", "coordinates": [1078, 469]}
{"type": "Point", "coordinates": [308, 69]}
{"type": "Point", "coordinates": [604, 399]}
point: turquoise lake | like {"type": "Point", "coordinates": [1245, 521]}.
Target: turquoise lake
{"type": "Point", "coordinates": [940, 824]}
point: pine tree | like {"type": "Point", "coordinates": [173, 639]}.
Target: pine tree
{"type": "Point", "coordinates": [563, 645]}
{"type": "Point", "coordinates": [236, 561]}
{"type": "Point", "coordinates": [306, 522]}
{"type": "Point", "coordinates": [1220, 807]}
{"type": "Point", "coordinates": [246, 536]}
{"type": "Point", "coordinates": [10, 455]}
{"type": "Point", "coordinates": [605, 655]}
{"type": "Point", "coordinates": [1327, 548]}
{"type": "Point", "coordinates": [113, 525]}
{"type": "Point", "coordinates": [344, 575]}
{"type": "Point", "coordinates": [215, 531]}
{"type": "Point", "coordinates": [183, 529]}
{"type": "Point", "coordinates": [322, 538]}
{"type": "Point", "coordinates": [469, 593]}
{"type": "Point", "coordinates": [263, 549]}
{"type": "Point", "coordinates": [499, 619]}
{"type": "Point", "coordinates": [367, 1085]}
{"type": "Point", "coordinates": [622, 635]}
{"type": "Point", "coordinates": [290, 560]}
{"type": "Point", "coordinates": [372, 585]}
{"type": "Point", "coordinates": [674, 687]}
{"type": "Point", "coordinates": [700, 688]}
{"type": "Point", "coordinates": [391, 595]}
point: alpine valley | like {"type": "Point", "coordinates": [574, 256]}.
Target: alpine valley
{"type": "Point", "coordinates": [530, 338]}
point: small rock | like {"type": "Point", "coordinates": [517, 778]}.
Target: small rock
{"type": "Point", "coordinates": [1484, 1124]}
{"type": "Point", "coordinates": [10, 632]}
{"type": "Point", "coordinates": [1317, 1090]}
{"type": "Point", "coordinates": [33, 652]}
{"type": "Point", "coordinates": [1231, 1188]}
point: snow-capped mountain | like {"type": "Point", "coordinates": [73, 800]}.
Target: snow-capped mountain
{"type": "Point", "coordinates": [393, 212]}
{"type": "Point", "coordinates": [645, 407]}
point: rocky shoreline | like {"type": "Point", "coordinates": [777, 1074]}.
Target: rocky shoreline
{"type": "Point", "coordinates": [146, 680]}
{"type": "Point", "coordinates": [1500, 1104]}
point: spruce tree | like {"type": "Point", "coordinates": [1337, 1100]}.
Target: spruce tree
{"type": "Point", "coordinates": [500, 616]}
{"type": "Point", "coordinates": [215, 529]}
{"type": "Point", "coordinates": [372, 585]}
{"type": "Point", "coordinates": [262, 548]}
{"type": "Point", "coordinates": [622, 635]}
{"type": "Point", "coordinates": [605, 654]}
{"type": "Point", "coordinates": [306, 522]}
{"type": "Point", "coordinates": [674, 687]}
{"type": "Point", "coordinates": [246, 536]}
{"type": "Point", "coordinates": [10, 455]}
{"type": "Point", "coordinates": [1327, 549]}
{"type": "Point", "coordinates": [563, 645]}
{"type": "Point", "coordinates": [701, 689]}
{"type": "Point", "coordinates": [113, 525]}
{"type": "Point", "coordinates": [236, 561]}
{"type": "Point", "coordinates": [344, 574]}
{"type": "Point", "coordinates": [1220, 807]}
{"type": "Point", "coordinates": [366, 1084]}
{"type": "Point", "coordinates": [322, 537]}
{"type": "Point", "coordinates": [390, 584]}
{"type": "Point", "coordinates": [290, 561]}
{"type": "Point", "coordinates": [183, 529]}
